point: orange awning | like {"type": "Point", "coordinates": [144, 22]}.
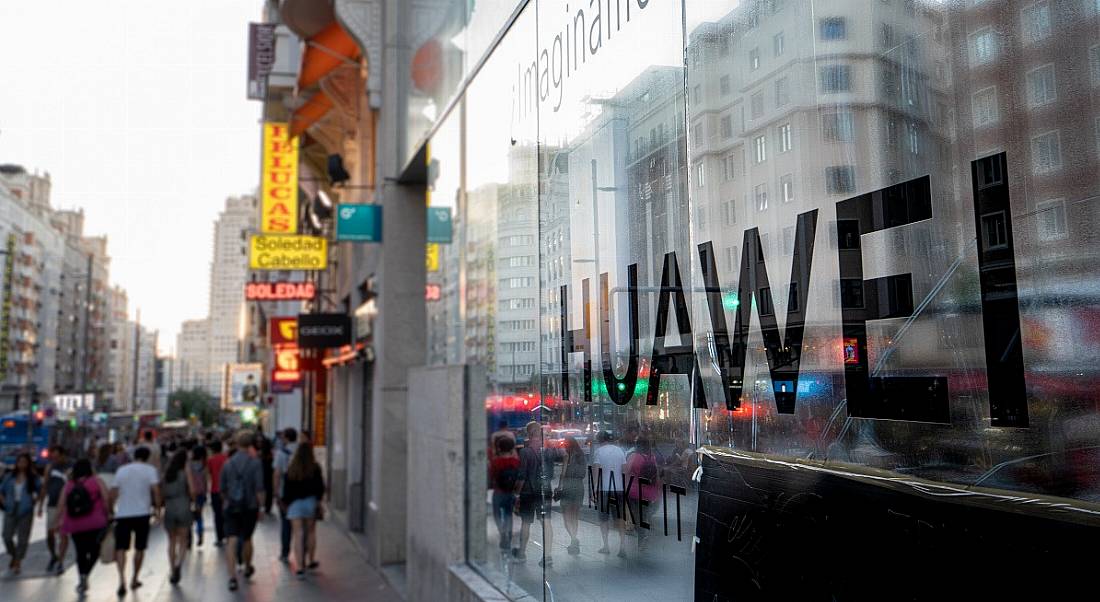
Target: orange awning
{"type": "Point", "coordinates": [326, 51]}
{"type": "Point", "coordinates": [308, 114]}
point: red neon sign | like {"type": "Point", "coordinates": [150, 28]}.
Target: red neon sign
{"type": "Point", "coordinates": [279, 291]}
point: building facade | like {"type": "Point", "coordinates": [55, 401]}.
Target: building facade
{"type": "Point", "coordinates": [774, 283]}
{"type": "Point", "coordinates": [228, 274]}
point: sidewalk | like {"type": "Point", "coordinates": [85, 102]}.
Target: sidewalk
{"type": "Point", "coordinates": [343, 575]}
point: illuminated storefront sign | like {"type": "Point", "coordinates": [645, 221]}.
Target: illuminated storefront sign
{"type": "Point", "coordinates": [279, 196]}
{"type": "Point", "coordinates": [268, 252]}
{"type": "Point", "coordinates": [74, 402]}
{"type": "Point", "coordinates": [279, 291]}
{"type": "Point", "coordinates": [282, 331]}
{"type": "Point", "coordinates": [320, 331]}
{"type": "Point", "coordinates": [287, 368]}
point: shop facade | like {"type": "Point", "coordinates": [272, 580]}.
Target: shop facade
{"type": "Point", "coordinates": [820, 275]}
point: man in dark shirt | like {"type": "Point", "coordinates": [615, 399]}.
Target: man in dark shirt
{"type": "Point", "coordinates": [242, 489]}
{"type": "Point", "coordinates": [56, 473]}
{"type": "Point", "coordinates": [536, 473]}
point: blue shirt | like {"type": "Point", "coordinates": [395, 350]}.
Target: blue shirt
{"type": "Point", "coordinates": [26, 500]}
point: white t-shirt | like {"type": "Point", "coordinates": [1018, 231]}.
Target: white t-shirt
{"type": "Point", "coordinates": [134, 482]}
{"type": "Point", "coordinates": [611, 458]}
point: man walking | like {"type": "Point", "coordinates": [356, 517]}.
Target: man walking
{"type": "Point", "coordinates": [56, 474]}
{"type": "Point", "coordinates": [136, 498]}
{"type": "Point", "coordinates": [242, 487]}
{"type": "Point", "coordinates": [285, 451]}
{"type": "Point", "coordinates": [215, 463]}
{"type": "Point", "coordinates": [536, 469]}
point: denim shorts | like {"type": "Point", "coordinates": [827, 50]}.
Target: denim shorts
{"type": "Point", "coordinates": [302, 508]}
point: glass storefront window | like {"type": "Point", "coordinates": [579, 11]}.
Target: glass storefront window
{"type": "Point", "coordinates": [851, 238]}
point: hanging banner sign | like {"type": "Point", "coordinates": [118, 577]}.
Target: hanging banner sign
{"type": "Point", "coordinates": [288, 253]}
{"type": "Point", "coordinates": [431, 257]}
{"type": "Point", "coordinates": [358, 223]}
{"type": "Point", "coordinates": [439, 225]}
{"type": "Point", "coordinates": [261, 57]}
{"type": "Point", "coordinates": [279, 201]}
{"type": "Point", "coordinates": [283, 331]}
{"type": "Point", "coordinates": [322, 331]}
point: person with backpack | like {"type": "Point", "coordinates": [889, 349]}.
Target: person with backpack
{"type": "Point", "coordinates": [84, 517]}
{"type": "Point", "coordinates": [536, 473]}
{"type": "Point", "coordinates": [503, 473]}
{"type": "Point", "coordinates": [242, 487]}
{"type": "Point", "coordinates": [55, 482]}
{"type": "Point", "coordinates": [642, 465]}
{"type": "Point", "coordinates": [20, 490]}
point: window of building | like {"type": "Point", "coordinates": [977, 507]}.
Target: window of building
{"type": "Point", "coordinates": [784, 137]}
{"type": "Point", "coordinates": [754, 59]}
{"type": "Point", "coordinates": [833, 28]}
{"type": "Point", "coordinates": [701, 174]}
{"type": "Point", "coordinates": [760, 194]}
{"type": "Point", "coordinates": [764, 301]}
{"type": "Point", "coordinates": [1094, 63]}
{"type": "Point", "coordinates": [1046, 152]}
{"type": "Point", "coordinates": [726, 125]}
{"type": "Point", "coordinates": [837, 126]}
{"type": "Point", "coordinates": [782, 91]}
{"type": "Point", "coordinates": [701, 217]}
{"type": "Point", "coordinates": [983, 46]}
{"type": "Point", "coordinates": [788, 240]}
{"type": "Point", "coordinates": [760, 149]}
{"type": "Point", "coordinates": [984, 103]}
{"type": "Point", "coordinates": [757, 103]}
{"type": "Point", "coordinates": [1035, 22]}
{"type": "Point", "coordinates": [724, 46]}
{"type": "Point", "coordinates": [994, 231]}
{"type": "Point", "coordinates": [792, 296]}
{"type": "Point", "coordinates": [835, 78]}
{"type": "Point", "coordinates": [519, 262]}
{"type": "Point", "coordinates": [1051, 217]}
{"type": "Point", "coordinates": [786, 188]}
{"type": "Point", "coordinates": [778, 44]}
{"type": "Point", "coordinates": [724, 85]}
{"type": "Point", "coordinates": [731, 258]}
{"type": "Point", "coordinates": [887, 36]}
{"type": "Point", "coordinates": [697, 94]}
{"type": "Point", "coordinates": [840, 179]}
{"type": "Point", "coordinates": [697, 135]}
{"type": "Point", "coordinates": [729, 210]}
{"type": "Point", "coordinates": [729, 163]}
{"type": "Point", "coordinates": [912, 136]}
{"type": "Point", "coordinates": [1040, 86]}
{"type": "Point", "coordinates": [765, 246]}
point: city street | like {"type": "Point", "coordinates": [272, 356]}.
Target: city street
{"type": "Point", "coordinates": [343, 574]}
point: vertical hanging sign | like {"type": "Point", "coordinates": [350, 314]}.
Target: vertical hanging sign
{"type": "Point", "coordinates": [279, 211]}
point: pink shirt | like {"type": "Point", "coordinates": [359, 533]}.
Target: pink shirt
{"type": "Point", "coordinates": [96, 519]}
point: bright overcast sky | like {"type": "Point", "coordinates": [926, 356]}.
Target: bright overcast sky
{"type": "Point", "coordinates": [137, 109]}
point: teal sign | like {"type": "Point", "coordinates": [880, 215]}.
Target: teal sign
{"type": "Point", "coordinates": [358, 223]}
{"type": "Point", "coordinates": [439, 225]}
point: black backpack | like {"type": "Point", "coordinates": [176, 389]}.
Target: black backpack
{"type": "Point", "coordinates": [79, 502]}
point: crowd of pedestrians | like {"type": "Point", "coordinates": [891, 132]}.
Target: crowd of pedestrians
{"type": "Point", "coordinates": [108, 500]}
{"type": "Point", "coordinates": [523, 485]}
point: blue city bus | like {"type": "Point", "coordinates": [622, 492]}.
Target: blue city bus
{"type": "Point", "coordinates": [13, 438]}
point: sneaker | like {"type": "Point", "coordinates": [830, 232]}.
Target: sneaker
{"type": "Point", "coordinates": [622, 553]}
{"type": "Point", "coordinates": [547, 562]}
{"type": "Point", "coordinates": [284, 559]}
{"type": "Point", "coordinates": [233, 584]}
{"type": "Point", "coordinates": [604, 550]}
{"type": "Point", "coordinates": [519, 555]}
{"type": "Point", "coordinates": [574, 548]}
{"type": "Point", "coordinates": [60, 570]}
{"type": "Point", "coordinates": [249, 571]}
{"type": "Point", "coordinates": [312, 565]}
{"type": "Point", "coordinates": [199, 543]}
{"type": "Point", "coordinates": [53, 565]}
{"type": "Point", "coordinates": [121, 591]}
{"type": "Point", "coordinates": [301, 575]}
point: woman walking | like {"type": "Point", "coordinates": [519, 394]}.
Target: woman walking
{"type": "Point", "coordinates": [304, 490]}
{"type": "Point", "coordinates": [19, 492]}
{"type": "Point", "coordinates": [178, 498]}
{"type": "Point", "coordinates": [199, 475]}
{"type": "Point", "coordinates": [84, 516]}
{"type": "Point", "coordinates": [571, 491]}
{"type": "Point", "coordinates": [503, 473]}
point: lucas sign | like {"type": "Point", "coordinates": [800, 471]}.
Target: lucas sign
{"type": "Point", "coordinates": [288, 253]}
{"type": "Point", "coordinates": [279, 210]}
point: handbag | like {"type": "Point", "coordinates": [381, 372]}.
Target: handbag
{"type": "Point", "coordinates": [107, 544]}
